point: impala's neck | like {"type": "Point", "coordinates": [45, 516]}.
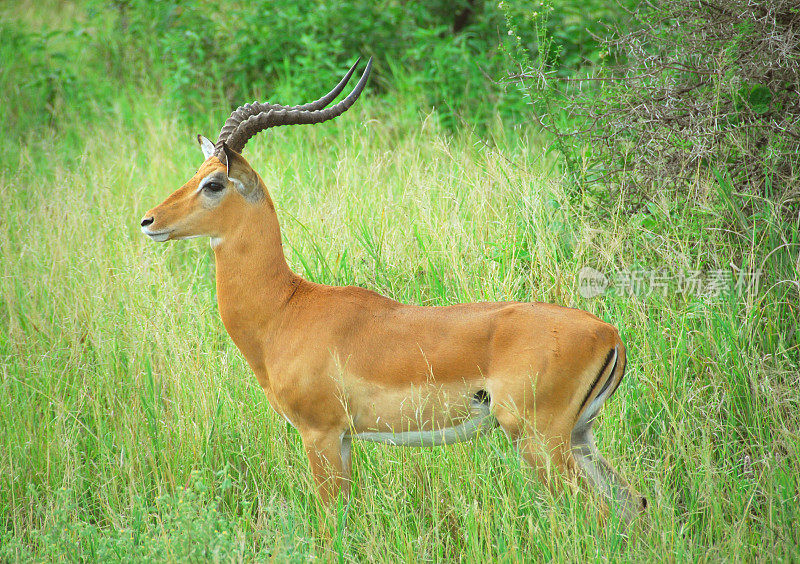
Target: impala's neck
{"type": "Point", "coordinates": [254, 283]}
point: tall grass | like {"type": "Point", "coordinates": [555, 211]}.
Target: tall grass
{"type": "Point", "coordinates": [132, 428]}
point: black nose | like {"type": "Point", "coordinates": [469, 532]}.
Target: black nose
{"type": "Point", "coordinates": [147, 221]}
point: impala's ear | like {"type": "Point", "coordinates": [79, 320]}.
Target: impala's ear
{"type": "Point", "coordinates": [241, 173]}
{"type": "Point", "coordinates": [206, 146]}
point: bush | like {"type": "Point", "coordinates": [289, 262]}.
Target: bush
{"type": "Point", "coordinates": [36, 76]}
{"type": "Point", "coordinates": [445, 54]}
{"type": "Point", "coordinates": [699, 89]}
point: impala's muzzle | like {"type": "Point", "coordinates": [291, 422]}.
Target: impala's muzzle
{"type": "Point", "coordinates": [159, 236]}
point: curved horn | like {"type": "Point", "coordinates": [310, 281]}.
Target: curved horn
{"type": "Point", "coordinates": [243, 112]}
{"type": "Point", "coordinates": [275, 116]}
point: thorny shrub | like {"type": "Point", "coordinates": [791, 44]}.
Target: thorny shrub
{"type": "Point", "coordinates": [696, 90]}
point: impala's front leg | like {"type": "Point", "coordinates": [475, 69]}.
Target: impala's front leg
{"type": "Point", "coordinates": [329, 457]}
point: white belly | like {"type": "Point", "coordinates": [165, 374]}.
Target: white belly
{"type": "Point", "coordinates": [469, 429]}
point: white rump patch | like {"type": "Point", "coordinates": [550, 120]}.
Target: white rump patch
{"type": "Point", "coordinates": [593, 408]}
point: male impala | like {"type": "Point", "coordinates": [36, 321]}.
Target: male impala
{"type": "Point", "coordinates": [344, 362]}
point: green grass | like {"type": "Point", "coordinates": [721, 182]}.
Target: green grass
{"type": "Point", "coordinates": [132, 428]}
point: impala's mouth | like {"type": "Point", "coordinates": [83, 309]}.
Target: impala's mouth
{"type": "Point", "coordinates": [158, 236]}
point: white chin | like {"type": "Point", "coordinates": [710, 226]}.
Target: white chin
{"type": "Point", "coordinates": [158, 237]}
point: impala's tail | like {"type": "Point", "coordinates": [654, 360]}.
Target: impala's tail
{"type": "Point", "coordinates": [599, 473]}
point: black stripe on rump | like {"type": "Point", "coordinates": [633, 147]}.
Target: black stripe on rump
{"type": "Point", "coordinates": [589, 391]}
{"type": "Point", "coordinates": [621, 376]}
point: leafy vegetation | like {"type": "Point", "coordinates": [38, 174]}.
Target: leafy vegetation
{"type": "Point", "coordinates": [133, 429]}
{"type": "Point", "coordinates": [447, 54]}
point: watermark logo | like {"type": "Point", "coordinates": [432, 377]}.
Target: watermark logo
{"type": "Point", "coordinates": [591, 282]}
{"type": "Point", "coordinates": [645, 282]}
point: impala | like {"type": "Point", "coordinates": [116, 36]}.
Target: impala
{"type": "Point", "coordinates": [345, 362]}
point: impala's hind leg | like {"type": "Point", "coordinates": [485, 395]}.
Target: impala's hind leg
{"type": "Point", "coordinates": [550, 456]}
{"type": "Point", "coordinates": [599, 473]}
{"type": "Point", "coordinates": [545, 448]}
{"type": "Point", "coordinates": [593, 467]}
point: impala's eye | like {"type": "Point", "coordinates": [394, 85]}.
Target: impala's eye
{"type": "Point", "coordinates": [214, 187]}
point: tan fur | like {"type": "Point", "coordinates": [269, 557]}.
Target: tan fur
{"type": "Point", "coordinates": [338, 361]}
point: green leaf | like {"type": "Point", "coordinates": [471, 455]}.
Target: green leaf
{"type": "Point", "coordinates": [759, 99]}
